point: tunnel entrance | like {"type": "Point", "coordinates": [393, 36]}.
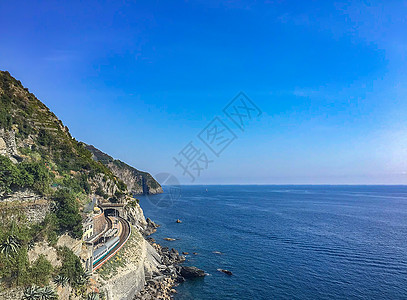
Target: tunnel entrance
{"type": "Point", "coordinates": [111, 212]}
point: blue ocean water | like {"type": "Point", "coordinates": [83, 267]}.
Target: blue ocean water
{"type": "Point", "coordinates": [289, 242]}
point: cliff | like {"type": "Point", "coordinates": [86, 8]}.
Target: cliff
{"type": "Point", "coordinates": [138, 182]}
{"type": "Point", "coordinates": [47, 182]}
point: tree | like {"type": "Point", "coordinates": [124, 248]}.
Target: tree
{"type": "Point", "coordinates": [9, 175]}
{"type": "Point", "coordinates": [41, 270]}
{"type": "Point", "coordinates": [71, 266]}
{"type": "Point", "coordinates": [67, 213]}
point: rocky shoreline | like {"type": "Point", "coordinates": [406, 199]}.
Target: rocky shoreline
{"type": "Point", "coordinates": [161, 284]}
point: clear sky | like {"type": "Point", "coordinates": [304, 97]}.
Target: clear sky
{"type": "Point", "coordinates": [141, 79]}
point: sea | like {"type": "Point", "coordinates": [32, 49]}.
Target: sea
{"type": "Point", "coordinates": [287, 242]}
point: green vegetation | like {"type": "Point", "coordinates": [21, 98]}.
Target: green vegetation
{"type": "Point", "coordinates": [32, 175]}
{"type": "Point", "coordinates": [99, 191]}
{"type": "Point", "coordinates": [61, 280]}
{"type": "Point", "coordinates": [25, 114]}
{"type": "Point", "coordinates": [67, 213]}
{"type": "Point", "coordinates": [41, 270]}
{"type": "Point", "coordinates": [71, 268]}
{"type": "Point", "coordinates": [133, 203]}
{"type": "Point", "coordinates": [39, 293]}
{"type": "Point", "coordinates": [15, 269]}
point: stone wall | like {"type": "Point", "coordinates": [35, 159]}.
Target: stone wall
{"type": "Point", "coordinates": [28, 202]}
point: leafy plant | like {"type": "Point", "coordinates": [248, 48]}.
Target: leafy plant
{"type": "Point", "coordinates": [10, 245]}
{"type": "Point", "coordinates": [47, 293]}
{"type": "Point", "coordinates": [93, 296]}
{"type": "Point", "coordinates": [32, 293]}
{"type": "Point", "coordinates": [61, 280]}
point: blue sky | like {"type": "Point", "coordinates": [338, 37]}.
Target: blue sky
{"type": "Point", "coordinates": [141, 79]}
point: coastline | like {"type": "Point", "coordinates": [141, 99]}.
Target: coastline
{"type": "Point", "coordinates": [161, 284]}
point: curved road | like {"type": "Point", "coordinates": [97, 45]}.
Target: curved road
{"type": "Point", "coordinates": [124, 236]}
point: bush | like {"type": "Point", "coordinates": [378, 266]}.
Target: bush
{"type": "Point", "coordinates": [31, 175]}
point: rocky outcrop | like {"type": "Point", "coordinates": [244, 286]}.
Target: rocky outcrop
{"type": "Point", "coordinates": [191, 272]}
{"type": "Point", "coordinates": [105, 184]}
{"type": "Point", "coordinates": [138, 182]}
{"type": "Point", "coordinates": [136, 217]}
{"type": "Point", "coordinates": [151, 227]}
{"type": "Point", "coordinates": [160, 285]}
{"type": "Point", "coordinates": [8, 145]}
{"type": "Point", "coordinates": [227, 272]}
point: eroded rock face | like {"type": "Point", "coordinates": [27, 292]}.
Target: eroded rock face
{"type": "Point", "coordinates": [150, 228]}
{"type": "Point", "coordinates": [142, 261]}
{"type": "Point", "coordinates": [136, 217]}
{"type": "Point", "coordinates": [138, 182]}
{"type": "Point", "coordinates": [8, 145]}
{"type": "Point", "coordinates": [43, 248]}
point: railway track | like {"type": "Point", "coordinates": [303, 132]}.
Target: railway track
{"type": "Point", "coordinates": [124, 236]}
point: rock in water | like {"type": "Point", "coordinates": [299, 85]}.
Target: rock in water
{"type": "Point", "coordinates": [192, 272]}
{"type": "Point", "coordinates": [225, 271]}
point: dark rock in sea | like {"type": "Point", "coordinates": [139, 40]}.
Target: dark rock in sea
{"type": "Point", "coordinates": [179, 221]}
{"type": "Point", "coordinates": [191, 272]}
{"type": "Point", "coordinates": [226, 272]}
{"type": "Point", "coordinates": [195, 253]}
{"type": "Point", "coordinates": [179, 279]}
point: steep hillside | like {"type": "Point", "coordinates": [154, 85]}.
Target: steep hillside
{"type": "Point", "coordinates": [48, 181]}
{"type": "Point", "coordinates": [138, 182]}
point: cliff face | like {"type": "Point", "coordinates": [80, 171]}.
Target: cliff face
{"type": "Point", "coordinates": [138, 182]}
{"type": "Point", "coordinates": [141, 261]}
